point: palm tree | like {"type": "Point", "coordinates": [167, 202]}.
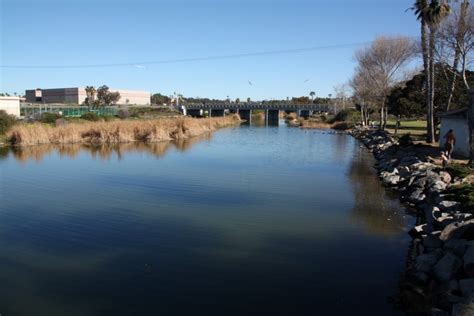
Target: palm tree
{"type": "Point", "coordinates": [90, 92]}
{"type": "Point", "coordinates": [430, 16]}
{"type": "Point", "coordinates": [312, 94]}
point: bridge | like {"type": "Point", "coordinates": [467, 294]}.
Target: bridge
{"type": "Point", "coordinates": [244, 109]}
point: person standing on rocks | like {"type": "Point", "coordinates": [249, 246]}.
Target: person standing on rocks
{"type": "Point", "coordinates": [450, 143]}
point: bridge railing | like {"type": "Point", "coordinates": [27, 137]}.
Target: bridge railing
{"type": "Point", "coordinates": [259, 106]}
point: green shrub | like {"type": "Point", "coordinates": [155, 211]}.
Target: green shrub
{"type": "Point", "coordinates": [137, 111]}
{"type": "Point", "coordinates": [347, 115]}
{"type": "Point", "coordinates": [49, 118]}
{"type": "Point", "coordinates": [90, 116]}
{"type": "Point", "coordinates": [463, 193]}
{"type": "Point", "coordinates": [458, 170]}
{"type": "Point", "coordinates": [123, 114]}
{"type": "Point", "coordinates": [6, 121]}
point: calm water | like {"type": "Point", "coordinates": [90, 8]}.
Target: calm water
{"type": "Point", "coordinates": [248, 221]}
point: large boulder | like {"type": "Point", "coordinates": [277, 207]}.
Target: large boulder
{"type": "Point", "coordinates": [460, 230]}
{"type": "Point", "coordinates": [467, 286]}
{"type": "Point", "coordinates": [437, 186]}
{"type": "Point", "coordinates": [469, 262]}
{"type": "Point", "coordinates": [391, 179]}
{"type": "Point", "coordinates": [419, 230]}
{"type": "Point", "coordinates": [445, 219]}
{"type": "Point", "coordinates": [465, 308]}
{"type": "Point", "coordinates": [435, 213]}
{"type": "Point", "coordinates": [456, 246]}
{"type": "Point", "coordinates": [449, 206]}
{"type": "Point", "coordinates": [424, 166]}
{"type": "Point", "coordinates": [404, 172]}
{"type": "Point", "coordinates": [432, 241]}
{"type": "Point", "coordinates": [420, 182]}
{"type": "Point", "coordinates": [417, 196]}
{"type": "Point", "coordinates": [426, 262]}
{"type": "Point", "coordinates": [447, 267]}
{"type": "Point", "coordinates": [445, 177]}
{"type": "Point", "coordinates": [408, 160]}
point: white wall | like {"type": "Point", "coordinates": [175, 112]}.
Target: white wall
{"type": "Point", "coordinates": [11, 105]}
{"type": "Point", "coordinates": [460, 128]}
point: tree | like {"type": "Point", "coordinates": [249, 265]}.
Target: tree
{"type": "Point", "coordinates": [341, 92]}
{"type": "Point", "coordinates": [430, 15]}
{"type": "Point", "coordinates": [312, 94]}
{"type": "Point", "coordinates": [158, 98]}
{"type": "Point", "coordinates": [105, 97]}
{"type": "Point", "coordinates": [248, 100]}
{"type": "Point", "coordinates": [407, 100]}
{"type": "Point", "coordinates": [380, 67]}
{"type": "Point", "coordinates": [237, 101]}
{"type": "Point", "coordinates": [454, 44]}
{"type": "Point", "coordinates": [300, 100]}
{"type": "Point", "coordinates": [90, 93]}
{"type": "Point", "coordinates": [362, 93]}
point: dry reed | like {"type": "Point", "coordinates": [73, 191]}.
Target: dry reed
{"type": "Point", "coordinates": [116, 132]}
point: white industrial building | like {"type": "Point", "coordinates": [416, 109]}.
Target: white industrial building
{"type": "Point", "coordinates": [11, 105]}
{"type": "Point", "coordinates": [79, 95]}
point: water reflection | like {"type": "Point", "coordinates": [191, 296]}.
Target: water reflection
{"type": "Point", "coordinates": [379, 213]}
{"type": "Point", "coordinates": [260, 221]}
{"type": "Point", "coordinates": [103, 152]}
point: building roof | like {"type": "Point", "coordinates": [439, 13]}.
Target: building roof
{"type": "Point", "coordinates": [9, 98]}
{"type": "Point", "coordinates": [459, 113]}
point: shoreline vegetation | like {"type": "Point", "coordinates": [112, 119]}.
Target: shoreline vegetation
{"type": "Point", "coordinates": [116, 132]}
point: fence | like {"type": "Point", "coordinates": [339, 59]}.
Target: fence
{"type": "Point", "coordinates": [30, 110]}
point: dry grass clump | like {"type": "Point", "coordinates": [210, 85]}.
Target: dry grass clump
{"type": "Point", "coordinates": [292, 116]}
{"type": "Point", "coordinates": [314, 124]}
{"type": "Point", "coordinates": [117, 131]}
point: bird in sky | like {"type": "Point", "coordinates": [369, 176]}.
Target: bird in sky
{"type": "Point", "coordinates": [250, 83]}
{"type": "Point", "coordinates": [139, 66]}
{"type": "Point", "coordinates": [306, 80]}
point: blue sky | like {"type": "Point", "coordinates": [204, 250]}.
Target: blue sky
{"type": "Point", "coordinates": [73, 32]}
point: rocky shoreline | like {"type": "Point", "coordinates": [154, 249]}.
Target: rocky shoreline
{"type": "Point", "coordinates": [439, 279]}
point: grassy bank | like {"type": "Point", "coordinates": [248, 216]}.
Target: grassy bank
{"type": "Point", "coordinates": [115, 132]}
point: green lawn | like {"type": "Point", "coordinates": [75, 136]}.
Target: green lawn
{"type": "Point", "coordinates": [408, 124]}
{"type": "Point", "coordinates": [413, 127]}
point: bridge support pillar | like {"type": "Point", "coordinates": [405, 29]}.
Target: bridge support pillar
{"type": "Point", "coordinates": [272, 117]}
{"type": "Point", "coordinates": [216, 112]}
{"type": "Point", "coordinates": [193, 112]}
{"type": "Point", "coordinates": [246, 115]}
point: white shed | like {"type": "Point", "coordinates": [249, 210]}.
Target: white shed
{"type": "Point", "coordinates": [457, 120]}
{"type": "Point", "coordinates": [11, 105]}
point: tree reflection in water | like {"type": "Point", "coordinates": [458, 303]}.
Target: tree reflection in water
{"type": "Point", "coordinates": [380, 213]}
{"type": "Point", "coordinates": [104, 152]}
